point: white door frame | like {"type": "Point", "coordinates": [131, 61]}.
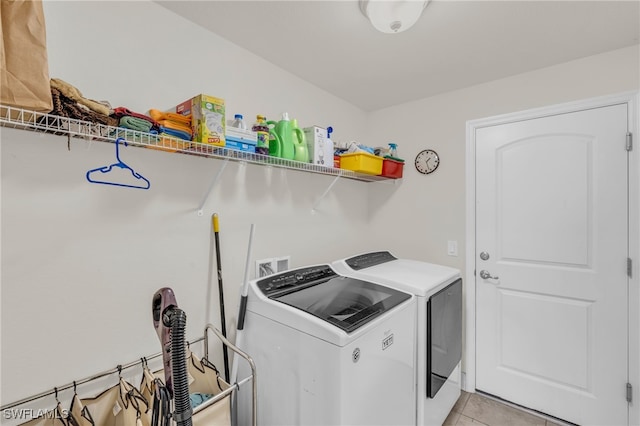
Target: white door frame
{"type": "Point", "coordinates": [630, 98]}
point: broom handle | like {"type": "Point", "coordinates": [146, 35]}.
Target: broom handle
{"type": "Point", "coordinates": [223, 320]}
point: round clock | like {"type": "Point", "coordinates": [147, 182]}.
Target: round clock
{"type": "Point", "coordinates": [427, 161]}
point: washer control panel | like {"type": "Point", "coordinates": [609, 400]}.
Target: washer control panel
{"type": "Point", "coordinates": [276, 285]}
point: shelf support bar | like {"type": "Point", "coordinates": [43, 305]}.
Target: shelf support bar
{"type": "Point", "coordinates": [213, 183]}
{"type": "Point", "coordinates": [324, 194]}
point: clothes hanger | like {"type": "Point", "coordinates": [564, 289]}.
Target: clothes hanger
{"type": "Point", "coordinates": [144, 183]}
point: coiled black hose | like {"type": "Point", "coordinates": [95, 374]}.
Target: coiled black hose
{"type": "Point", "coordinates": [182, 404]}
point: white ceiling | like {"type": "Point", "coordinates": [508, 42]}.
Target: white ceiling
{"type": "Point", "coordinates": [455, 44]}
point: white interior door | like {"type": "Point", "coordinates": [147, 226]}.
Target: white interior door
{"type": "Point", "coordinates": [551, 215]}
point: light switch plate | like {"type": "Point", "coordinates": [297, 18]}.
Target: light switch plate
{"type": "Point", "coordinates": [452, 248]}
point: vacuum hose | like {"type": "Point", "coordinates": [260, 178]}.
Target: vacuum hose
{"type": "Point", "coordinates": [170, 323]}
{"type": "Point", "coordinates": [183, 411]}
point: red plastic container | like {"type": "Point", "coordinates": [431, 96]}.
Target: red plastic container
{"type": "Point", "coordinates": [392, 168]}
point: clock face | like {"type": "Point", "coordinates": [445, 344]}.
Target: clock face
{"type": "Point", "coordinates": [427, 161]}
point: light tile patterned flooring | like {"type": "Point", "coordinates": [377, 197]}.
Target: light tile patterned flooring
{"type": "Point", "coordinates": [473, 409]}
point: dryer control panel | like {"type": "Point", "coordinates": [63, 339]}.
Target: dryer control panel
{"type": "Point", "coordinates": [369, 259]}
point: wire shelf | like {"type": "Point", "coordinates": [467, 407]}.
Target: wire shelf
{"type": "Point", "coordinates": [52, 124]}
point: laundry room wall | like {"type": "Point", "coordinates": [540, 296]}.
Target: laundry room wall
{"type": "Point", "coordinates": [81, 261]}
{"type": "Point", "coordinates": [437, 212]}
{"type": "Point", "coordinates": [436, 209]}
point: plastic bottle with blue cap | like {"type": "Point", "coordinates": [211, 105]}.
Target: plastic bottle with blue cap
{"type": "Point", "coordinates": [238, 122]}
{"type": "Point", "coordinates": [328, 148]}
{"type": "Point", "coordinates": [393, 150]}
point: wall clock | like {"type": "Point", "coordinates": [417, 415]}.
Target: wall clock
{"type": "Point", "coordinates": [427, 161]}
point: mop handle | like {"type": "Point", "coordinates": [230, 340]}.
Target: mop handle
{"type": "Point", "coordinates": [245, 283]}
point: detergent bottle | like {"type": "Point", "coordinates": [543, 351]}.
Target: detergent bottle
{"type": "Point", "coordinates": [301, 151]}
{"type": "Point", "coordinates": [281, 142]}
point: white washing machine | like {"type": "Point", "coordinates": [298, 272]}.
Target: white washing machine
{"type": "Point", "coordinates": [329, 350]}
{"type": "Point", "coordinates": [438, 290]}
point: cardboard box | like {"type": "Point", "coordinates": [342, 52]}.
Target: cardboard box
{"type": "Point", "coordinates": [319, 146]}
{"type": "Point", "coordinates": [207, 118]}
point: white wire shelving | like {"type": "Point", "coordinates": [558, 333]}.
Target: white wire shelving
{"type": "Point", "coordinates": [52, 124]}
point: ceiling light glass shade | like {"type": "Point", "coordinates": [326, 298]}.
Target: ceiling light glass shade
{"type": "Point", "coordinates": [392, 16]}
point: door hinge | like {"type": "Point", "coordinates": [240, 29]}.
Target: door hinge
{"type": "Point", "coordinates": [629, 267]}
{"type": "Point", "coordinates": [629, 141]}
{"type": "Point", "coordinates": [629, 392]}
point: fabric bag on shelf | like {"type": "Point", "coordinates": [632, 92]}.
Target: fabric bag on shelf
{"type": "Point", "coordinates": [24, 66]}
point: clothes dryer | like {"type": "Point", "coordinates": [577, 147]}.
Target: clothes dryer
{"type": "Point", "coordinates": [329, 350]}
{"type": "Point", "coordinates": [438, 290]}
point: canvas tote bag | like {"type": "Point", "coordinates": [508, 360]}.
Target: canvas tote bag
{"type": "Point", "coordinates": [24, 67]}
{"type": "Point", "coordinates": [205, 378]}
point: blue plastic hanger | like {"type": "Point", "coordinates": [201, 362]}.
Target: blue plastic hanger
{"type": "Point", "coordinates": [144, 184]}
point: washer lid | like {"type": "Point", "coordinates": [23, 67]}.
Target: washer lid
{"type": "Point", "coordinates": [419, 278]}
{"type": "Point", "coordinates": [347, 303]}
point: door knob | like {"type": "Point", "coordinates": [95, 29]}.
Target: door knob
{"type": "Point", "coordinates": [484, 255]}
{"type": "Point", "coordinates": [485, 275]}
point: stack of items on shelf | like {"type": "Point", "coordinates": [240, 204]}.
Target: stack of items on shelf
{"type": "Point", "coordinates": [238, 137]}
{"type": "Point", "coordinates": [381, 161]}
{"type": "Point", "coordinates": [172, 126]}
{"type": "Point", "coordinates": [200, 121]}
{"type": "Point", "coordinates": [207, 118]}
{"type": "Point", "coordinates": [69, 102]}
{"type": "Point", "coordinates": [131, 120]}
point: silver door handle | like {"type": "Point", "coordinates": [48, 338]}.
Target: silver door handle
{"type": "Point", "coordinates": [485, 275]}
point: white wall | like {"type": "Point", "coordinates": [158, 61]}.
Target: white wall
{"type": "Point", "coordinates": [81, 261]}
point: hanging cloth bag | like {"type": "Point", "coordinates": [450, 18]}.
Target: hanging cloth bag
{"type": "Point", "coordinates": [205, 379]}
{"type": "Point", "coordinates": [24, 67]}
{"type": "Point", "coordinates": [121, 405]}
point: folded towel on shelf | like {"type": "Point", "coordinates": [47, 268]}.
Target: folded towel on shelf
{"type": "Point", "coordinates": [122, 111]}
{"type": "Point", "coordinates": [73, 93]}
{"type": "Point", "coordinates": [177, 118]}
{"type": "Point", "coordinates": [175, 133]}
{"type": "Point", "coordinates": [168, 124]}
{"type": "Point", "coordinates": [134, 123]}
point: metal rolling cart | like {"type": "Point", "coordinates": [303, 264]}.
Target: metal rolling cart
{"type": "Point", "coordinates": [200, 413]}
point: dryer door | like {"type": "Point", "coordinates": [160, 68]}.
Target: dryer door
{"type": "Point", "coordinates": [444, 335]}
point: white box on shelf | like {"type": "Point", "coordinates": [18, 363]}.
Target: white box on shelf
{"type": "Point", "coordinates": [320, 147]}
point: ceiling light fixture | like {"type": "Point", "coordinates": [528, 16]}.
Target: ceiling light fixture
{"type": "Point", "coordinates": [392, 16]}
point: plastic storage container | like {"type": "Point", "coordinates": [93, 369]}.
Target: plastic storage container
{"type": "Point", "coordinates": [361, 162]}
{"type": "Point", "coordinates": [392, 167]}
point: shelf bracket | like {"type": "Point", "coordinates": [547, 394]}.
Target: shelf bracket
{"type": "Point", "coordinates": [324, 194]}
{"type": "Point", "coordinates": [213, 183]}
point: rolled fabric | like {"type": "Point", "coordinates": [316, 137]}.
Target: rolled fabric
{"type": "Point", "coordinates": [134, 123]}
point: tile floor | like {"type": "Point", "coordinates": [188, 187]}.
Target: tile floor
{"type": "Point", "coordinates": [473, 409]}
